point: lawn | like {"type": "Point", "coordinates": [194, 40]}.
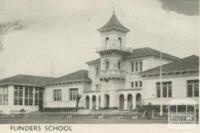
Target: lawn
{"type": "Point", "coordinates": [77, 120]}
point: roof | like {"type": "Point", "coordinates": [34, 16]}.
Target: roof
{"type": "Point", "coordinates": [185, 64]}
{"type": "Point", "coordinates": [183, 101]}
{"type": "Point", "coordinates": [95, 61]}
{"type": "Point", "coordinates": [25, 80]}
{"type": "Point", "coordinates": [113, 23]}
{"type": "Point", "coordinates": [146, 51]}
{"type": "Point", "coordinates": [81, 75]}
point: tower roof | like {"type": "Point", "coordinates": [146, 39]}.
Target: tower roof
{"type": "Point", "coordinates": [113, 23]}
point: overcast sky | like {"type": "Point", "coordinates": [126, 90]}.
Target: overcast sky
{"type": "Point", "coordinates": [45, 37]}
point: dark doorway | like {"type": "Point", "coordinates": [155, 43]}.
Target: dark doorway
{"type": "Point", "coordinates": [121, 102]}
{"type": "Point", "coordinates": [107, 101]}
{"type": "Point", "coordinates": [130, 102]}
{"type": "Point", "coordinates": [87, 102]}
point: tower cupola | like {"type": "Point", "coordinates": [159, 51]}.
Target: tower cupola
{"type": "Point", "coordinates": [113, 35]}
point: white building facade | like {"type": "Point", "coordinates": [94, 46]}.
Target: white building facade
{"type": "Point", "coordinates": [121, 79]}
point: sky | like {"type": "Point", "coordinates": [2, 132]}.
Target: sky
{"type": "Point", "coordinates": [53, 38]}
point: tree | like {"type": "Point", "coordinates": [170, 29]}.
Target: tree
{"type": "Point", "coordinates": [77, 101]}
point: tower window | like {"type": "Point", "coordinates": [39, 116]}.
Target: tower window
{"type": "Point", "coordinates": [120, 41]}
{"type": "Point", "coordinates": [107, 39]}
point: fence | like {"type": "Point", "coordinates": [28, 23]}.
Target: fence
{"type": "Point", "coordinates": [182, 118]}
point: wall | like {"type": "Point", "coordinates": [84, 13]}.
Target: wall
{"type": "Point", "coordinates": [11, 108]}
{"type": "Point", "coordinates": [179, 89]}
{"type": "Point", "coordinates": [65, 101]}
{"type": "Point", "coordinates": [148, 63]}
{"type": "Point", "coordinates": [113, 38]}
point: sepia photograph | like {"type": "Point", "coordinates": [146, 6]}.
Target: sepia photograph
{"type": "Point", "coordinates": [98, 62]}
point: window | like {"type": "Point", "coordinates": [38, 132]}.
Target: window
{"type": "Point", "coordinates": [119, 65]}
{"type": "Point", "coordinates": [73, 94]}
{"type": "Point", "coordinates": [37, 89]}
{"type": "Point", "coordinates": [120, 41]}
{"type": "Point", "coordinates": [97, 70]}
{"type": "Point", "coordinates": [169, 91]}
{"type": "Point", "coordinates": [132, 66]}
{"type": "Point", "coordinates": [166, 89]}
{"type": "Point", "coordinates": [140, 65]}
{"type": "Point", "coordinates": [136, 66]}
{"type": "Point", "coordinates": [57, 95]}
{"type": "Point", "coordinates": [158, 91]}
{"type": "Point", "coordinates": [98, 86]}
{"type": "Point", "coordinates": [107, 65]}
{"type": "Point", "coordinates": [30, 92]}
{"type": "Point", "coordinates": [140, 83]}
{"type": "Point", "coordinates": [18, 95]}
{"type": "Point", "coordinates": [136, 84]}
{"type": "Point", "coordinates": [132, 84]}
{"type": "Point", "coordinates": [193, 88]}
{"type": "Point", "coordinates": [107, 39]}
{"type": "Point", "coordinates": [3, 95]}
{"type": "Point", "coordinates": [26, 95]}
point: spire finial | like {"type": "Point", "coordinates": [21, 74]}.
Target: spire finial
{"type": "Point", "coordinates": [113, 7]}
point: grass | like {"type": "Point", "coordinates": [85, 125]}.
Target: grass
{"type": "Point", "coordinates": [63, 119]}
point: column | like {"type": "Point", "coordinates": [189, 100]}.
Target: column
{"type": "Point", "coordinates": [23, 96]}
{"type": "Point", "coordinates": [33, 96]}
{"type": "Point", "coordinates": [97, 102]}
{"type": "Point", "coordinates": [134, 102]}
{"type": "Point", "coordinates": [125, 102]}
{"type": "Point", "coordinates": [10, 95]}
{"type": "Point", "coordinates": [161, 110]}
{"type": "Point", "coordinates": [102, 101]}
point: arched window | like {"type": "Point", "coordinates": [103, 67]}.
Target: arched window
{"type": "Point", "coordinates": [94, 102]}
{"type": "Point", "coordinates": [130, 102]}
{"type": "Point", "coordinates": [107, 101]}
{"type": "Point", "coordinates": [107, 39]}
{"type": "Point", "coordinates": [120, 41]}
{"type": "Point", "coordinates": [138, 99]}
{"type": "Point", "coordinates": [121, 102]}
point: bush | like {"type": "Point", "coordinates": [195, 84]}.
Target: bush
{"type": "Point", "coordinates": [22, 110]}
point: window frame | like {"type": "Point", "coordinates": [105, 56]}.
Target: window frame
{"type": "Point", "coordinates": [164, 91]}
{"type": "Point", "coordinates": [73, 94]}
{"type": "Point", "coordinates": [57, 95]}
{"type": "Point", "coordinates": [194, 90]}
{"type": "Point", "coordinates": [18, 95]}
{"type": "Point", "coordinates": [4, 95]}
